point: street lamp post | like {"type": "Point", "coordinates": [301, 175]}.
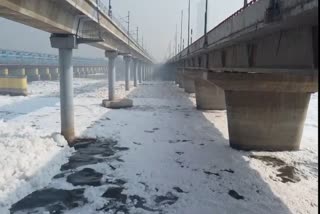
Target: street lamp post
{"type": "Point", "coordinates": [206, 25]}
{"type": "Point", "coordinates": [110, 9]}
{"type": "Point", "coordinates": [188, 26]}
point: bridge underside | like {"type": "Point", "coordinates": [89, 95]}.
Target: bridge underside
{"type": "Point", "coordinates": [263, 67]}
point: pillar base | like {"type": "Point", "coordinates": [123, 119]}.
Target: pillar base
{"type": "Point", "coordinates": [118, 103]}
{"type": "Point", "coordinates": [209, 96]}
{"type": "Point", "coordinates": [266, 112]}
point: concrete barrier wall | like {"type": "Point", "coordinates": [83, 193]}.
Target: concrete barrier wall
{"type": "Point", "coordinates": [13, 86]}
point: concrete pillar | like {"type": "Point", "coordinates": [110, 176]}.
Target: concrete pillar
{"type": "Point", "coordinates": [144, 72]}
{"type": "Point", "coordinates": [135, 73]}
{"type": "Point", "coordinates": [33, 75]}
{"type": "Point", "coordinates": [18, 72]}
{"type": "Point", "coordinates": [127, 59]}
{"type": "Point", "coordinates": [66, 44]}
{"type": "Point", "coordinates": [88, 72]}
{"type": "Point", "coordinates": [45, 74]}
{"type": "Point", "coordinates": [4, 72]}
{"type": "Point", "coordinates": [54, 72]}
{"type": "Point", "coordinates": [76, 73]}
{"type": "Point", "coordinates": [83, 72]}
{"type": "Point", "coordinates": [266, 111]}
{"type": "Point", "coordinates": [177, 78]}
{"type": "Point", "coordinates": [209, 96]}
{"type": "Point", "coordinates": [112, 55]}
{"type": "Point", "coordinates": [188, 83]}
{"type": "Point", "coordinates": [141, 67]}
{"type": "Point", "coordinates": [181, 79]}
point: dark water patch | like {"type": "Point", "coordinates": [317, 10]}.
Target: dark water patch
{"type": "Point", "coordinates": [118, 148]}
{"type": "Point", "coordinates": [270, 161]}
{"type": "Point", "coordinates": [83, 142]}
{"type": "Point", "coordinates": [235, 195]}
{"type": "Point", "coordinates": [112, 167]}
{"type": "Point", "coordinates": [116, 194]}
{"type": "Point", "coordinates": [181, 164]}
{"type": "Point", "coordinates": [78, 160]}
{"type": "Point", "coordinates": [50, 200]}
{"type": "Point", "coordinates": [60, 175]}
{"type": "Point", "coordinates": [139, 202]}
{"type": "Point", "coordinates": [137, 143]}
{"type": "Point", "coordinates": [120, 160]}
{"type": "Point", "coordinates": [288, 174]}
{"type": "Point", "coordinates": [86, 176]}
{"type": "Point", "coordinates": [179, 141]}
{"type": "Point", "coordinates": [211, 173]}
{"type": "Point", "coordinates": [118, 182]}
{"type": "Point", "coordinates": [180, 153]}
{"type": "Point", "coordinates": [228, 170]}
{"type": "Point", "coordinates": [168, 199]}
{"type": "Point", "coordinates": [91, 151]}
{"type": "Point", "coordinates": [179, 190]}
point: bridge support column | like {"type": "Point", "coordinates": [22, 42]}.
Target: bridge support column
{"type": "Point", "coordinates": [127, 59]}
{"type": "Point", "coordinates": [66, 44]}
{"type": "Point", "coordinates": [188, 84]}
{"type": "Point", "coordinates": [54, 72]}
{"type": "Point", "coordinates": [144, 73]}
{"type": "Point", "coordinates": [112, 55]}
{"type": "Point", "coordinates": [141, 67]}
{"type": "Point", "coordinates": [33, 75]}
{"type": "Point", "coordinates": [4, 72]}
{"type": "Point", "coordinates": [180, 78]}
{"type": "Point", "coordinates": [266, 111]}
{"type": "Point", "coordinates": [135, 73]}
{"type": "Point", "coordinates": [209, 96]}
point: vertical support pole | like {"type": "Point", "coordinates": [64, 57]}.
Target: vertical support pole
{"type": "Point", "coordinates": [144, 73]}
{"type": "Point", "coordinates": [127, 59]}
{"type": "Point", "coordinates": [135, 72]}
{"type": "Point", "coordinates": [66, 94]}
{"type": "Point", "coordinates": [112, 55]}
{"type": "Point", "coordinates": [65, 44]}
{"type": "Point", "coordinates": [140, 71]}
{"type": "Point", "coordinates": [245, 3]}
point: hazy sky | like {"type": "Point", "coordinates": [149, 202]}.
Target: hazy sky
{"type": "Point", "coordinates": [157, 21]}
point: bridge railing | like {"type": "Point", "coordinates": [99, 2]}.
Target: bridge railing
{"type": "Point", "coordinates": [199, 43]}
{"type": "Point", "coordinates": [117, 21]}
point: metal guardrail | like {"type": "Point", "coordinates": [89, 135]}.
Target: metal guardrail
{"type": "Point", "coordinates": [33, 58]}
{"type": "Point", "coordinates": [221, 23]}
{"type": "Point", "coordinates": [117, 21]}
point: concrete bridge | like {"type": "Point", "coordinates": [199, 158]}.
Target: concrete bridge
{"type": "Point", "coordinates": [42, 66]}
{"type": "Point", "coordinates": [261, 65]}
{"type": "Point", "coordinates": [73, 22]}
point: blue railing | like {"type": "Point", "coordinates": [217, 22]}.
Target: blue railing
{"type": "Point", "coordinates": [13, 57]}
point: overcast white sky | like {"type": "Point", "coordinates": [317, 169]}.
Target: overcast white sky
{"type": "Point", "coordinates": [157, 21]}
